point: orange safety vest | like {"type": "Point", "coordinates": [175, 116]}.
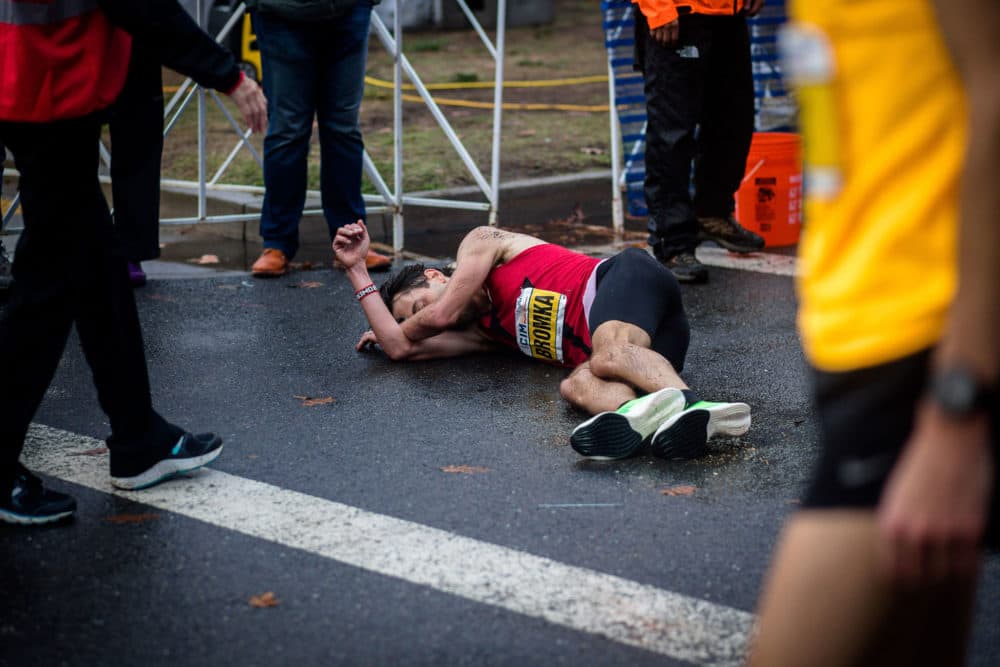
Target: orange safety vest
{"type": "Point", "coordinates": [662, 12]}
{"type": "Point", "coordinates": [58, 59]}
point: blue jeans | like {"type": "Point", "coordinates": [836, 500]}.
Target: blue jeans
{"type": "Point", "coordinates": [312, 69]}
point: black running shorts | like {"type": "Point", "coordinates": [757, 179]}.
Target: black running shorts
{"type": "Point", "coordinates": [635, 288]}
{"type": "Point", "coordinates": [865, 419]}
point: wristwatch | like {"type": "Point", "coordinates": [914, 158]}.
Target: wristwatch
{"type": "Point", "coordinates": [960, 393]}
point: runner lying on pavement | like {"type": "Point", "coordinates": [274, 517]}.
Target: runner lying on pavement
{"type": "Point", "coordinates": [618, 322]}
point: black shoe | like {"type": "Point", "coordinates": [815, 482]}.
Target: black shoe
{"type": "Point", "coordinates": [189, 453]}
{"type": "Point", "coordinates": [687, 269]}
{"type": "Point", "coordinates": [30, 503]}
{"type": "Point", "coordinates": [729, 234]}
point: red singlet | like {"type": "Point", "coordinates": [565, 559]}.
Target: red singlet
{"type": "Point", "coordinates": [539, 302]}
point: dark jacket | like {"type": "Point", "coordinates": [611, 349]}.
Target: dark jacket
{"type": "Point", "coordinates": [166, 30]}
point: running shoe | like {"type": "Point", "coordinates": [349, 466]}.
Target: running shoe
{"type": "Point", "coordinates": [190, 453]}
{"type": "Point", "coordinates": [30, 503]}
{"type": "Point", "coordinates": [729, 234]}
{"type": "Point", "coordinates": [618, 434]}
{"type": "Point", "coordinates": [684, 435]}
{"type": "Point", "coordinates": [687, 269]}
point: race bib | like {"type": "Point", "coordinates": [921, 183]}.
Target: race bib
{"type": "Point", "coordinates": [538, 320]}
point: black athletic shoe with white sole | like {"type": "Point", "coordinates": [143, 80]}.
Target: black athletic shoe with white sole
{"type": "Point", "coordinates": [30, 503]}
{"type": "Point", "coordinates": [189, 453]}
{"type": "Point", "coordinates": [686, 434]}
{"type": "Point", "coordinates": [618, 434]}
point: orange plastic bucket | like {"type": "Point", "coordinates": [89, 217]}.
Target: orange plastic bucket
{"type": "Point", "coordinates": [769, 200]}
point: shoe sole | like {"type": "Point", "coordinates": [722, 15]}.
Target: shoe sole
{"type": "Point", "coordinates": [268, 274]}
{"type": "Point", "coordinates": [688, 279]}
{"type": "Point", "coordinates": [729, 245]}
{"type": "Point", "coordinates": [610, 436]}
{"type": "Point", "coordinates": [164, 470]}
{"type": "Point", "coordinates": [24, 520]}
{"type": "Point", "coordinates": [687, 436]}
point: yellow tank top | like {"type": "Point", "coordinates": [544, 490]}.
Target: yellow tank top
{"type": "Point", "coordinates": [884, 126]}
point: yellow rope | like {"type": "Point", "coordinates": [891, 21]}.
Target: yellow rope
{"type": "Point", "coordinates": [507, 106]}
{"type": "Point", "coordinates": [541, 83]}
{"type": "Point", "coordinates": [511, 106]}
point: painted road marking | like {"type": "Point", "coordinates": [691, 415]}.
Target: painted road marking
{"type": "Point", "coordinates": [678, 626]}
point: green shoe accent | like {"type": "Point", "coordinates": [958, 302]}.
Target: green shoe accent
{"type": "Point", "coordinates": [685, 435]}
{"type": "Point", "coordinates": [618, 434]}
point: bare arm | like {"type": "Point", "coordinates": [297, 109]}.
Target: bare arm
{"type": "Point", "coordinates": [350, 247]}
{"type": "Point", "coordinates": [446, 344]}
{"type": "Point", "coordinates": [480, 251]}
{"type": "Point", "coordinates": [933, 512]}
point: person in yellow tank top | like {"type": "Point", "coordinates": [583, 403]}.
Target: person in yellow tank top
{"type": "Point", "coordinates": [900, 310]}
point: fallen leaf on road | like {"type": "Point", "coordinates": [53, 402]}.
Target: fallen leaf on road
{"type": "Point", "coordinates": [465, 470]}
{"type": "Point", "coordinates": [264, 600]}
{"type": "Point", "coordinates": [309, 284]}
{"type": "Point", "coordinates": [592, 150]}
{"type": "Point", "coordinates": [679, 490]}
{"type": "Point", "coordinates": [91, 452]}
{"type": "Point", "coordinates": [130, 519]}
{"type": "Point", "coordinates": [207, 259]}
{"type": "Point", "coordinates": [309, 401]}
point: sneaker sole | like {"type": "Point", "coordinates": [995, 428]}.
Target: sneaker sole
{"type": "Point", "coordinates": [609, 435]}
{"type": "Point", "coordinates": [24, 520]}
{"type": "Point", "coordinates": [687, 437]}
{"type": "Point", "coordinates": [606, 437]}
{"type": "Point", "coordinates": [689, 279]}
{"type": "Point", "coordinates": [268, 274]}
{"type": "Point", "coordinates": [164, 470]}
{"type": "Point", "coordinates": [729, 245]}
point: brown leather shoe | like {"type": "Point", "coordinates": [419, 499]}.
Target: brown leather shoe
{"type": "Point", "coordinates": [271, 264]}
{"type": "Point", "coordinates": [373, 262]}
{"type": "Point", "coordinates": [377, 262]}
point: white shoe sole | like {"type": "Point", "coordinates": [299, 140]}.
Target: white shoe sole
{"type": "Point", "coordinates": [164, 470]}
{"type": "Point", "coordinates": [685, 435]}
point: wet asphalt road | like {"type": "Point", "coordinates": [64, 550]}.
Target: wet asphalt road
{"type": "Point", "coordinates": [232, 354]}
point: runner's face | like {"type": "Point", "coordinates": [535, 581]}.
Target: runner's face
{"type": "Point", "coordinates": [412, 301]}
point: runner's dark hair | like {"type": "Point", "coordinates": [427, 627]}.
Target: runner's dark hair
{"type": "Point", "coordinates": [410, 277]}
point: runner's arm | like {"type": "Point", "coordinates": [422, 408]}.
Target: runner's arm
{"type": "Point", "coordinates": [933, 511]}
{"type": "Point", "coordinates": [350, 247]}
{"type": "Point", "coordinates": [454, 343]}
{"type": "Point", "coordinates": [480, 251]}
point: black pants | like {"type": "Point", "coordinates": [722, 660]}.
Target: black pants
{"type": "Point", "coordinates": [137, 144]}
{"type": "Point", "coordinates": [703, 83]}
{"type": "Point", "coordinates": [68, 272]}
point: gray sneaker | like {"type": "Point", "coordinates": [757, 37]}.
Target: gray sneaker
{"type": "Point", "coordinates": [687, 269]}
{"type": "Point", "coordinates": [729, 234]}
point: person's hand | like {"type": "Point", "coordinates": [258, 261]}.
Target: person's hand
{"type": "Point", "coordinates": [250, 100]}
{"type": "Point", "coordinates": [667, 34]}
{"type": "Point", "coordinates": [350, 245]}
{"type": "Point", "coordinates": [367, 342]}
{"type": "Point", "coordinates": [753, 7]}
{"type": "Point", "coordinates": [933, 511]}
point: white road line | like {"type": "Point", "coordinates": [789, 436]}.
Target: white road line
{"type": "Point", "coordinates": [761, 262]}
{"type": "Point", "coordinates": [621, 610]}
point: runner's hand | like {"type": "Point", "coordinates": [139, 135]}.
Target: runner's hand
{"type": "Point", "coordinates": [350, 246]}
{"type": "Point", "coordinates": [367, 342]}
{"type": "Point", "coordinates": [250, 100]}
{"type": "Point", "coordinates": [933, 510]}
